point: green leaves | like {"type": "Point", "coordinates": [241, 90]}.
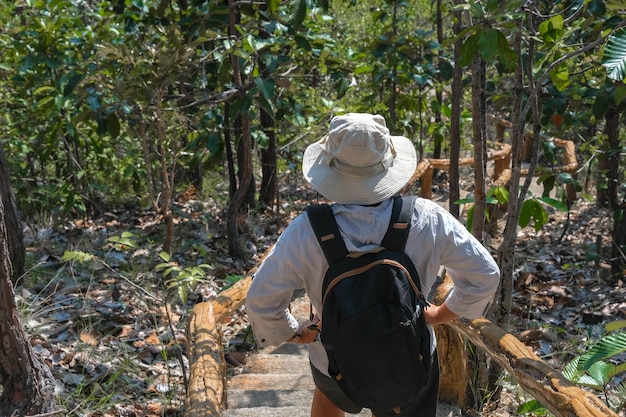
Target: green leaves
{"type": "Point", "coordinates": [297, 13]}
{"type": "Point", "coordinates": [533, 210]}
{"type": "Point", "coordinates": [551, 30]}
{"type": "Point", "coordinates": [611, 345]}
{"type": "Point", "coordinates": [614, 57]}
{"type": "Point", "coordinates": [596, 368]}
{"type": "Point", "coordinates": [182, 280]}
{"type": "Point", "coordinates": [492, 46]}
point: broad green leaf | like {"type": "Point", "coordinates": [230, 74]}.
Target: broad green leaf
{"type": "Point", "coordinates": [272, 5]}
{"type": "Point", "coordinates": [501, 193]}
{"type": "Point", "coordinates": [533, 407]}
{"type": "Point", "coordinates": [267, 87]}
{"type": "Point", "coordinates": [45, 90]}
{"type": "Point", "coordinates": [571, 371]}
{"type": "Point", "coordinates": [488, 44]}
{"type": "Point", "coordinates": [550, 30]}
{"type": "Point", "coordinates": [616, 370]}
{"type": "Point", "coordinates": [265, 103]}
{"type": "Point", "coordinates": [614, 57]}
{"type": "Point", "coordinates": [77, 256]}
{"type": "Point", "coordinates": [620, 94]}
{"type": "Point", "coordinates": [559, 205]}
{"type": "Point", "coordinates": [72, 82]}
{"type": "Point", "coordinates": [491, 200]}
{"type": "Point", "coordinates": [600, 372]}
{"type": "Point", "coordinates": [464, 201]}
{"type": "Point", "coordinates": [533, 210]}
{"type": "Point", "coordinates": [615, 325]}
{"type": "Point", "coordinates": [469, 49]}
{"type": "Point", "coordinates": [616, 4]}
{"type": "Point", "coordinates": [183, 293]}
{"type": "Point", "coordinates": [597, 7]}
{"type": "Point", "coordinates": [589, 381]}
{"type": "Point", "coordinates": [560, 77]}
{"type": "Point", "coordinates": [297, 13]}
{"type": "Point", "coordinates": [610, 345]}
{"type": "Point", "coordinates": [470, 217]}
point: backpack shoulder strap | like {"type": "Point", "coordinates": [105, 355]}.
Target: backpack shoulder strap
{"type": "Point", "coordinates": [400, 223]}
{"type": "Point", "coordinates": [327, 232]}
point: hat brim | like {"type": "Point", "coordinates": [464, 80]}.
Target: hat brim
{"type": "Point", "coordinates": [345, 189]}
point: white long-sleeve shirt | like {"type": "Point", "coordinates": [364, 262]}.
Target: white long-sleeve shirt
{"type": "Point", "coordinates": [296, 261]}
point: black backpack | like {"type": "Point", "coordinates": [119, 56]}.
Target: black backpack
{"type": "Point", "coordinates": [373, 328]}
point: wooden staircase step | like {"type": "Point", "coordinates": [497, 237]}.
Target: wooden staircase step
{"type": "Point", "coordinates": [275, 398]}
{"type": "Point", "coordinates": [271, 363]}
{"type": "Point", "coordinates": [293, 411]}
{"type": "Point", "coordinates": [263, 382]}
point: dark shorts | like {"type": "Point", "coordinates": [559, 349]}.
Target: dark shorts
{"type": "Point", "coordinates": [425, 406]}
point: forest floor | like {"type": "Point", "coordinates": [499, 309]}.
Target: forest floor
{"type": "Point", "coordinates": [112, 328]}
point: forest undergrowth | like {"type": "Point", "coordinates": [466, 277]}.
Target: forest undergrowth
{"type": "Point", "coordinates": [111, 327]}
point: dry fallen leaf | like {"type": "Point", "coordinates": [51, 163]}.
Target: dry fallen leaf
{"type": "Point", "coordinates": [154, 408]}
{"type": "Point", "coordinates": [89, 338]}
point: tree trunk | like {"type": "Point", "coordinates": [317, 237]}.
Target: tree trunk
{"type": "Point", "coordinates": [618, 261]}
{"type": "Point", "coordinates": [455, 122]}
{"type": "Point", "coordinates": [244, 152]}
{"type": "Point", "coordinates": [609, 196]}
{"type": "Point", "coordinates": [230, 156]}
{"type": "Point", "coordinates": [439, 77]}
{"type": "Point", "coordinates": [244, 160]}
{"type": "Point", "coordinates": [27, 384]}
{"type": "Point", "coordinates": [478, 117]}
{"type": "Point", "coordinates": [609, 164]}
{"type": "Point", "coordinates": [269, 182]}
{"type": "Point", "coordinates": [12, 221]}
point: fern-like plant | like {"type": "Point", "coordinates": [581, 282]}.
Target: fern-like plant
{"type": "Point", "coordinates": [599, 368]}
{"type": "Point", "coordinates": [614, 57]}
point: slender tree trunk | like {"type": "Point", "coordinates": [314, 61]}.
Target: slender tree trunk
{"type": "Point", "coordinates": [244, 161]}
{"type": "Point", "coordinates": [393, 96]}
{"type": "Point", "coordinates": [168, 173]}
{"type": "Point", "coordinates": [242, 149]}
{"type": "Point", "coordinates": [501, 307]}
{"type": "Point", "coordinates": [478, 117]}
{"type": "Point", "coordinates": [609, 197]}
{"type": "Point", "coordinates": [15, 234]}
{"type": "Point", "coordinates": [230, 157]}
{"type": "Point", "coordinates": [439, 77]}
{"type": "Point", "coordinates": [609, 164]}
{"type": "Point", "coordinates": [27, 384]}
{"type": "Point", "coordinates": [269, 182]}
{"type": "Point", "coordinates": [268, 194]}
{"type": "Point", "coordinates": [455, 122]}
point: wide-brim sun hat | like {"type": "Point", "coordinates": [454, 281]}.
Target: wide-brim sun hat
{"type": "Point", "coordinates": [359, 161]}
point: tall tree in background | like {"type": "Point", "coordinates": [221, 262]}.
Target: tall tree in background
{"type": "Point", "coordinates": [244, 159]}
{"type": "Point", "coordinates": [27, 384]}
{"type": "Point", "coordinates": [15, 236]}
{"type": "Point", "coordinates": [455, 122]}
{"type": "Point", "coordinates": [614, 103]}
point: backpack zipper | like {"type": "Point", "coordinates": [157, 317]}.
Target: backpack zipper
{"type": "Point", "coordinates": [352, 272]}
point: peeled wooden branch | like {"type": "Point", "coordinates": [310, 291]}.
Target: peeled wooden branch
{"type": "Point", "coordinates": [206, 389]}
{"type": "Point", "coordinates": [452, 351]}
{"type": "Point", "coordinates": [205, 393]}
{"type": "Point", "coordinates": [230, 300]}
{"type": "Point", "coordinates": [536, 377]}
